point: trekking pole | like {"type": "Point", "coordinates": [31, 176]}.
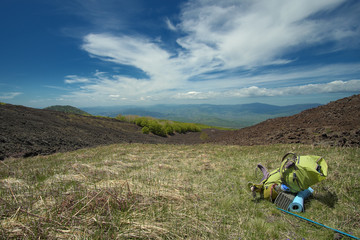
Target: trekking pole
{"type": "Point", "coordinates": [343, 233]}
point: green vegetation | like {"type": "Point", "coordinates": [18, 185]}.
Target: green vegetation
{"type": "Point", "coordinates": [67, 109]}
{"type": "Point", "coordinates": [2, 103]}
{"type": "Point", "coordinates": [161, 127]}
{"type": "Point", "coordinates": [143, 191]}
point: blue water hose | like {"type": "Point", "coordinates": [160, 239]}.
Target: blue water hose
{"type": "Point", "coordinates": [338, 231]}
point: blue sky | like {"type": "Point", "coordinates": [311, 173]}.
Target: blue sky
{"type": "Point", "coordinates": [143, 52]}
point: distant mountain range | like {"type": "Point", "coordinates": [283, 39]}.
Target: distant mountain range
{"type": "Point", "coordinates": [232, 116]}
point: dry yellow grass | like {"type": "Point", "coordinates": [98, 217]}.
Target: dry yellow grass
{"type": "Point", "coordinates": [143, 191]}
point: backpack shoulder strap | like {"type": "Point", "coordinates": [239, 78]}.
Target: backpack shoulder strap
{"type": "Point", "coordinates": [289, 154]}
{"type": "Point", "coordinates": [289, 160]}
{"type": "Point", "coordinates": [264, 171]}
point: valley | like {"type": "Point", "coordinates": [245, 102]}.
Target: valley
{"type": "Point", "coordinates": [28, 132]}
{"type": "Point", "coordinates": [230, 116]}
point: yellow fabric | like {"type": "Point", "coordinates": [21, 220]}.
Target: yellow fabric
{"type": "Point", "coordinates": [270, 192]}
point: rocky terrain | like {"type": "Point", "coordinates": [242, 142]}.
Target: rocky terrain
{"type": "Point", "coordinates": [335, 124]}
{"type": "Point", "coordinates": [28, 132]}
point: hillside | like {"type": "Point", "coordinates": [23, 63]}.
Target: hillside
{"type": "Point", "coordinates": [336, 123]}
{"type": "Point", "coordinates": [67, 109]}
{"type": "Point", "coordinates": [27, 131]}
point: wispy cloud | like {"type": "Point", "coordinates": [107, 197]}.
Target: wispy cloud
{"type": "Point", "coordinates": [139, 52]}
{"type": "Point", "coordinates": [255, 33]}
{"type": "Point", "coordinates": [104, 14]}
{"type": "Point", "coordinates": [217, 39]}
{"type": "Point", "coordinates": [254, 91]}
{"type": "Point", "coordinates": [9, 95]}
{"type": "Point", "coordinates": [107, 89]}
{"type": "Point", "coordinates": [170, 25]}
{"type": "Point", "coordinates": [75, 79]}
{"type": "Point", "coordinates": [351, 86]}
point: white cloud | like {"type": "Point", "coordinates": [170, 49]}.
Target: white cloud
{"type": "Point", "coordinates": [226, 34]}
{"type": "Point", "coordinates": [104, 88]}
{"type": "Point", "coordinates": [253, 33]}
{"type": "Point", "coordinates": [195, 95]}
{"type": "Point", "coordinates": [121, 90]}
{"type": "Point", "coordinates": [138, 52]}
{"type": "Point", "coordinates": [9, 95]}
{"type": "Point", "coordinates": [351, 86]}
{"type": "Point", "coordinates": [70, 79]}
{"type": "Point", "coordinates": [218, 39]}
{"type": "Point", "coordinates": [170, 25]}
{"type": "Point", "coordinates": [331, 87]}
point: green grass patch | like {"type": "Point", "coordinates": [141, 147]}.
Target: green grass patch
{"type": "Point", "coordinates": [143, 191]}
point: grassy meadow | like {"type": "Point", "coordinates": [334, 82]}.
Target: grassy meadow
{"type": "Point", "coordinates": [143, 191]}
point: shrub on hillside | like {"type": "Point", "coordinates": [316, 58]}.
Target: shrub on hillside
{"type": "Point", "coordinates": [127, 118]}
{"type": "Point", "coordinates": [177, 128]}
{"type": "Point", "coordinates": [145, 130]}
{"type": "Point", "coordinates": [169, 128]}
{"type": "Point", "coordinates": [156, 128]}
{"type": "Point", "coordinates": [120, 117]}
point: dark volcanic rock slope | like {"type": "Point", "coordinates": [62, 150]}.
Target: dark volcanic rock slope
{"type": "Point", "coordinates": [337, 123]}
{"type": "Point", "coordinates": [28, 132]}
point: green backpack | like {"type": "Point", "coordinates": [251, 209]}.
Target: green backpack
{"type": "Point", "coordinates": [297, 173]}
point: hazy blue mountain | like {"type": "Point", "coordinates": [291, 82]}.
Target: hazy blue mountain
{"type": "Point", "coordinates": [234, 116]}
